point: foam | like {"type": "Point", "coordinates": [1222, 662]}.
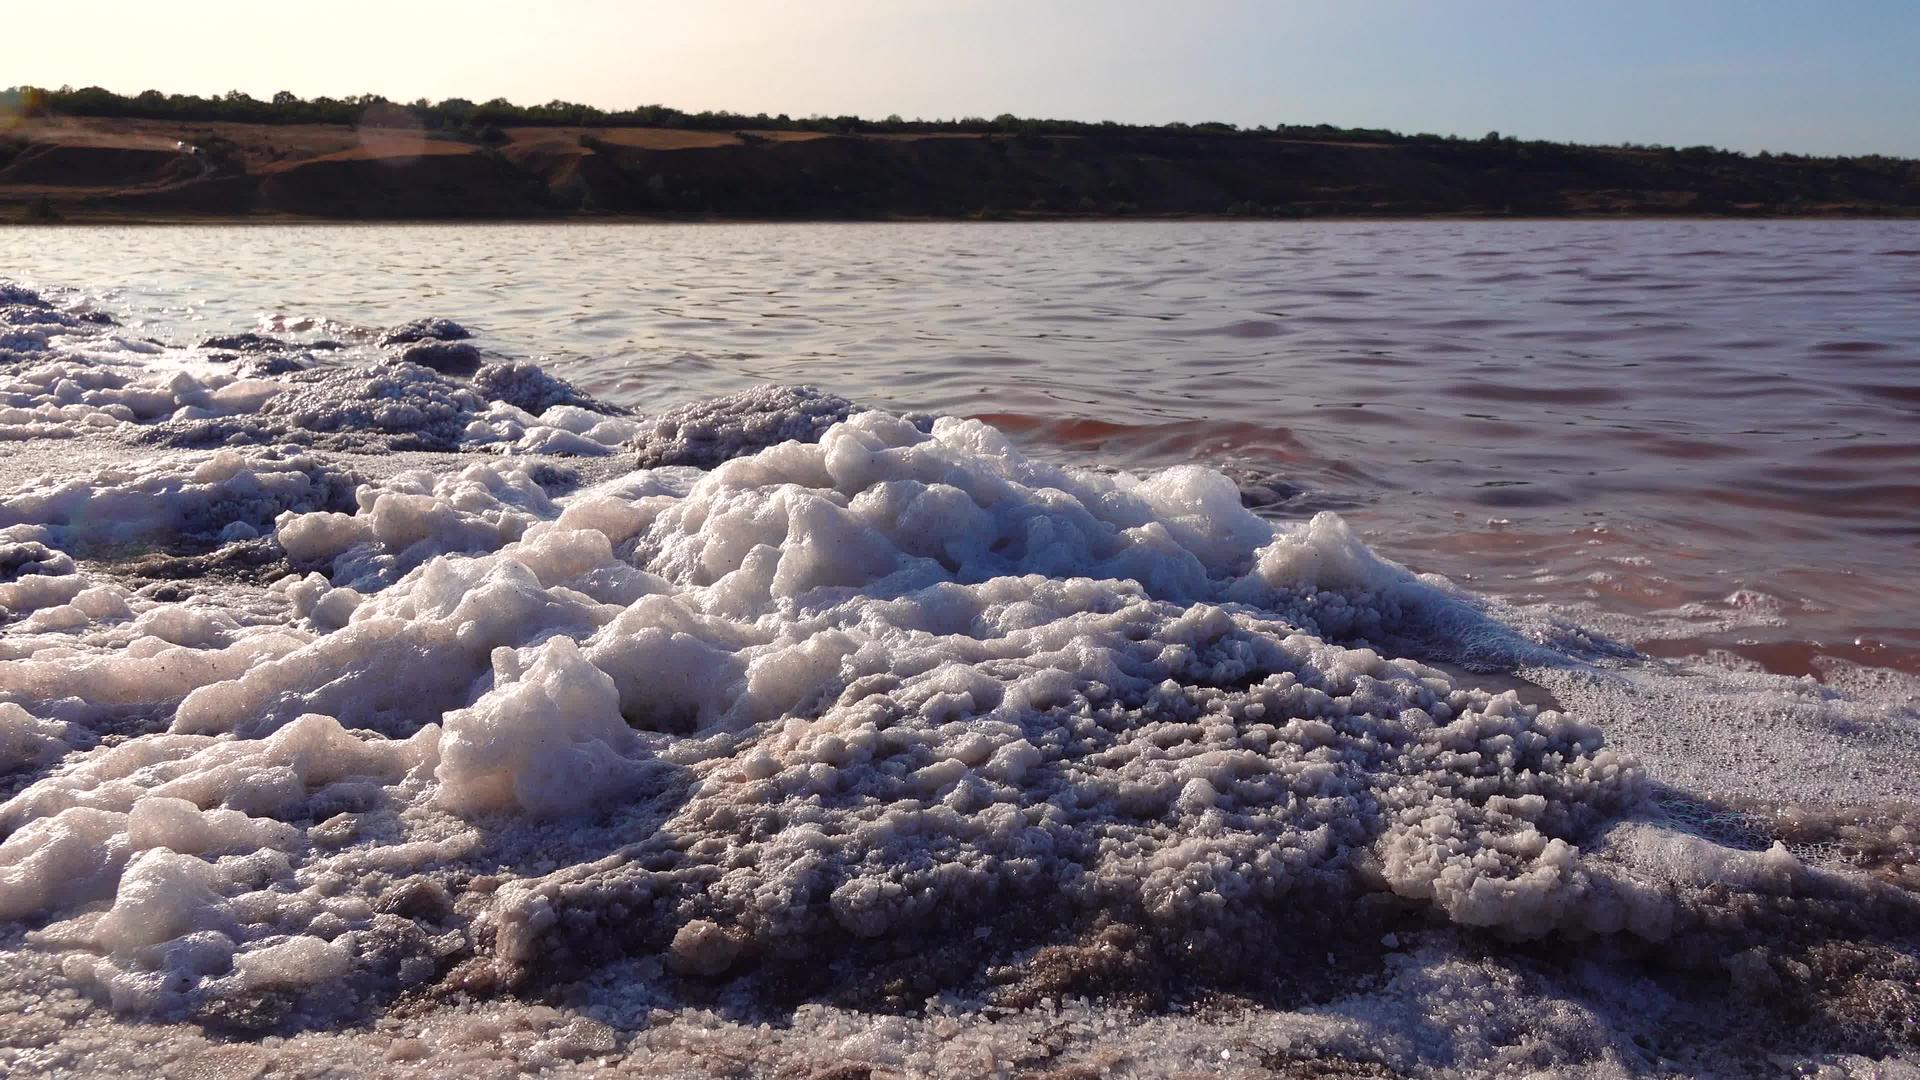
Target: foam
{"type": "Point", "coordinates": [549, 739]}
{"type": "Point", "coordinates": [930, 656]}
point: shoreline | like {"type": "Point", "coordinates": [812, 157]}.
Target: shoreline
{"type": "Point", "coordinates": [114, 220]}
{"type": "Point", "coordinates": [139, 171]}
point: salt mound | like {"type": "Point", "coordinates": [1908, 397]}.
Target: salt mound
{"type": "Point", "coordinates": [162, 502]}
{"type": "Point", "coordinates": [69, 374]}
{"type": "Point", "coordinates": [399, 405]}
{"type": "Point", "coordinates": [266, 366]}
{"type": "Point", "coordinates": [574, 756]}
{"type": "Point", "coordinates": [392, 405]}
{"type": "Point", "coordinates": [705, 433]}
{"type": "Point", "coordinates": [839, 690]}
{"type": "Point", "coordinates": [36, 316]}
{"type": "Point", "coordinates": [526, 387]}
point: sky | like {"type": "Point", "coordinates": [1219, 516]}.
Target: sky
{"type": "Point", "coordinates": [1814, 77]}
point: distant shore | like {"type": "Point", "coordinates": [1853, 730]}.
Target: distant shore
{"type": "Point", "coordinates": [131, 171]}
{"type": "Point", "coordinates": [116, 219]}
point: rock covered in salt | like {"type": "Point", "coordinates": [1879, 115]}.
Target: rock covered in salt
{"type": "Point", "coordinates": [705, 433]}
{"type": "Point", "coordinates": [428, 329]}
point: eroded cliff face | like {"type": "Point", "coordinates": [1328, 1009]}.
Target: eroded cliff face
{"type": "Point", "coordinates": [99, 168]}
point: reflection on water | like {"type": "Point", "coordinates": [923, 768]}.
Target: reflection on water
{"type": "Point", "coordinates": [1716, 422]}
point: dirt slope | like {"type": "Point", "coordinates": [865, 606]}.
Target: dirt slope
{"type": "Point", "coordinates": [116, 169]}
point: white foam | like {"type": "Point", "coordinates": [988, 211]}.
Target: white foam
{"type": "Point", "coordinates": [549, 739]}
{"type": "Point", "coordinates": [197, 495]}
{"type": "Point", "coordinates": [930, 654]}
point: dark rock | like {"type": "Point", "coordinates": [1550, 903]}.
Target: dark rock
{"type": "Point", "coordinates": [273, 364]}
{"type": "Point", "coordinates": [253, 562]}
{"type": "Point", "coordinates": [246, 343]}
{"type": "Point", "coordinates": [426, 330]}
{"type": "Point", "coordinates": [417, 898]}
{"type": "Point", "coordinates": [554, 479]}
{"type": "Point", "coordinates": [20, 294]}
{"type": "Point", "coordinates": [446, 357]}
{"type": "Point", "coordinates": [28, 315]}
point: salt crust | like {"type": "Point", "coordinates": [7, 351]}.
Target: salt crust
{"type": "Point", "coordinates": [825, 688]}
{"type": "Point", "coordinates": [66, 375]}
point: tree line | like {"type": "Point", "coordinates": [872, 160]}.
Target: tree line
{"type": "Point", "coordinates": [483, 120]}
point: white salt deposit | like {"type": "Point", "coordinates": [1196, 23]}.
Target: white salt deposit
{"type": "Point", "coordinates": [812, 684]}
{"type": "Point", "coordinates": [203, 496]}
{"type": "Point", "coordinates": [64, 376]}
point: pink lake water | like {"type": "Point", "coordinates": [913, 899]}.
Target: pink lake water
{"type": "Point", "coordinates": [1702, 437]}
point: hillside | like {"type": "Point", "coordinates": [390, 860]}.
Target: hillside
{"type": "Point", "coordinates": [122, 169]}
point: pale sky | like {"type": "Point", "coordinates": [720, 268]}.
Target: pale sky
{"type": "Point", "coordinates": [1817, 77]}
